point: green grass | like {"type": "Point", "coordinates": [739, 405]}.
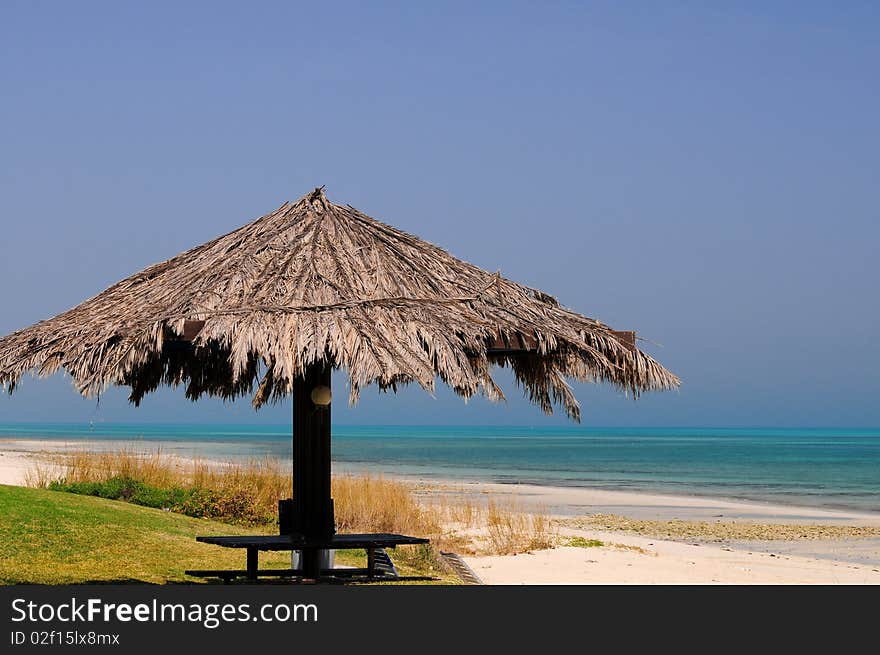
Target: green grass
{"type": "Point", "coordinates": [580, 542]}
{"type": "Point", "coordinates": [52, 537]}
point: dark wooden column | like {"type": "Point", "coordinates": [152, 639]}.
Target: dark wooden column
{"type": "Point", "coordinates": [312, 514]}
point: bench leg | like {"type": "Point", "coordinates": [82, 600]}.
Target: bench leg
{"type": "Point", "coordinates": [371, 562]}
{"type": "Point", "coordinates": [310, 563]}
{"type": "Point", "coordinates": [253, 558]}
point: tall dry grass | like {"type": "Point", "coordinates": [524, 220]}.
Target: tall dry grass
{"type": "Point", "coordinates": [362, 503]}
{"type": "Point", "coordinates": [251, 488]}
{"type": "Point", "coordinates": [512, 530]}
{"type": "Point", "coordinates": [379, 505]}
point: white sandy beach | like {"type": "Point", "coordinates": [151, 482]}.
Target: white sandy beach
{"type": "Point", "coordinates": [627, 558]}
{"type": "Point", "coordinates": [665, 562]}
{"type": "Point", "coordinates": [14, 465]}
{"type": "Point", "coordinates": [634, 559]}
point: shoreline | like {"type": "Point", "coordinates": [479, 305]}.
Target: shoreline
{"type": "Point", "coordinates": [626, 557]}
{"type": "Point", "coordinates": [18, 455]}
{"type": "Point", "coordinates": [572, 500]}
{"type": "Point", "coordinates": [753, 465]}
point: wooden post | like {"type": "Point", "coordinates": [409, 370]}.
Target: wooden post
{"type": "Point", "coordinates": [312, 515]}
{"type": "Point", "coordinates": [253, 564]}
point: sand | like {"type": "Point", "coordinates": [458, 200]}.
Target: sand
{"type": "Point", "coordinates": [634, 559]}
{"type": "Point", "coordinates": [14, 466]}
{"type": "Point", "coordinates": [625, 557]}
{"type": "Point", "coordinates": [665, 562]}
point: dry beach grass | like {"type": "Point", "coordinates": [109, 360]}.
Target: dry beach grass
{"type": "Point", "coordinates": [247, 493]}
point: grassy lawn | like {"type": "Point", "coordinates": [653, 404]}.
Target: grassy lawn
{"type": "Point", "coordinates": [50, 537]}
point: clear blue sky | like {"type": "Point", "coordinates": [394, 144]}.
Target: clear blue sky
{"type": "Point", "coordinates": [705, 175]}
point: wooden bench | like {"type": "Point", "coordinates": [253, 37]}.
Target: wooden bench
{"type": "Point", "coordinates": [379, 565]}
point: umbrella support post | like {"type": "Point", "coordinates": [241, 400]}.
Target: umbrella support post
{"type": "Point", "coordinates": [312, 507]}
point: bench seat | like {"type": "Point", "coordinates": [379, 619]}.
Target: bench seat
{"type": "Point", "coordinates": [379, 565]}
{"type": "Point", "coordinates": [298, 542]}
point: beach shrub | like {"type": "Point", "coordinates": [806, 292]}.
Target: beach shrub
{"type": "Point", "coordinates": [231, 506]}
{"type": "Point", "coordinates": [115, 488]}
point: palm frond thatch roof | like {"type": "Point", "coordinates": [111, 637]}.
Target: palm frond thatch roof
{"type": "Point", "coordinates": [318, 282]}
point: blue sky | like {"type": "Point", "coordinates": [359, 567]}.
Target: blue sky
{"type": "Point", "coordinates": [704, 175]}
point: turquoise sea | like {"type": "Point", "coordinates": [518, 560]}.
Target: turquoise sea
{"type": "Point", "coordinates": [810, 467]}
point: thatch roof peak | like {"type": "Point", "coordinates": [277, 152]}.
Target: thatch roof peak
{"type": "Point", "coordinates": [314, 281]}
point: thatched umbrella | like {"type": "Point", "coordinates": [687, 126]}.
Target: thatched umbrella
{"type": "Point", "coordinates": [272, 307]}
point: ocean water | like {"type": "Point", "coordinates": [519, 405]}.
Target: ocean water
{"type": "Point", "coordinates": [810, 467]}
